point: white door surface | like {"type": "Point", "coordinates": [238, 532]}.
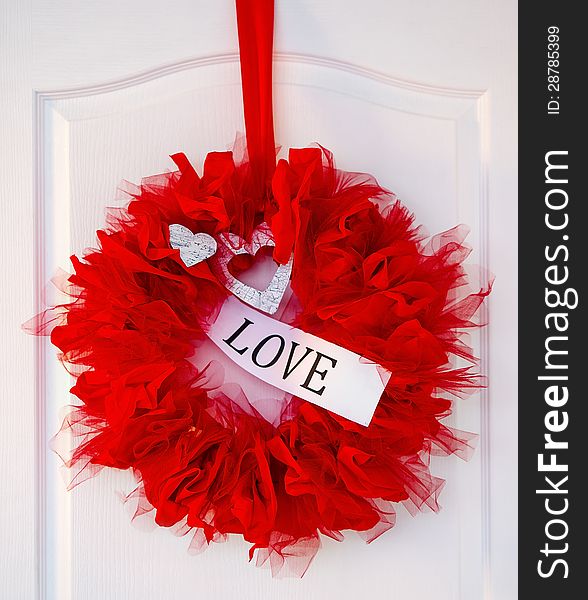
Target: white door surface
{"type": "Point", "coordinates": [420, 94]}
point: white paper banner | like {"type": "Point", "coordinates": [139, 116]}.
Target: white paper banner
{"type": "Point", "coordinates": [298, 362]}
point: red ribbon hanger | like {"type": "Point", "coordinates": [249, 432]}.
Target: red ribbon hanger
{"type": "Point", "coordinates": [255, 22]}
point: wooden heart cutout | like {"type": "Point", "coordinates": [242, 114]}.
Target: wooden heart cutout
{"type": "Point", "coordinates": [231, 245]}
{"type": "Point", "coordinates": [193, 247]}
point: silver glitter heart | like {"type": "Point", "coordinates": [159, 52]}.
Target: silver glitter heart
{"type": "Point", "coordinates": [231, 245]}
{"type": "Point", "coordinates": [193, 247]}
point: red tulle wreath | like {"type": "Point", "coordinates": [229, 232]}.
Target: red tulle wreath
{"type": "Point", "coordinates": [363, 278]}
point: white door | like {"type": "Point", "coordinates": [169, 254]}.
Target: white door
{"type": "Point", "coordinates": [421, 94]}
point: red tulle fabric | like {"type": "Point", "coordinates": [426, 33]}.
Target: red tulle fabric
{"type": "Point", "coordinates": [363, 278]}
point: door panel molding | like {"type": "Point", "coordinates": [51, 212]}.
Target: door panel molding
{"type": "Point", "coordinates": [462, 113]}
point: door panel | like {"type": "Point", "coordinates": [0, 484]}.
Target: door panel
{"type": "Point", "coordinates": [423, 143]}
